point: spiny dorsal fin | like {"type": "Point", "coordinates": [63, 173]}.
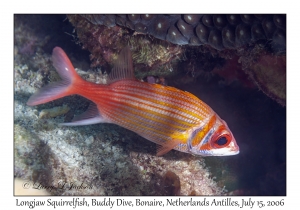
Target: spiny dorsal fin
{"type": "Point", "coordinates": [123, 68]}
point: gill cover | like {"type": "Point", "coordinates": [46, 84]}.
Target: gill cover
{"type": "Point", "coordinates": [213, 139]}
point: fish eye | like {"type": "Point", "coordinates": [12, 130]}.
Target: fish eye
{"type": "Point", "coordinates": [221, 141]}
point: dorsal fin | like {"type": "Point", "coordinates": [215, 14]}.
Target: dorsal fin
{"type": "Point", "coordinates": [123, 68]}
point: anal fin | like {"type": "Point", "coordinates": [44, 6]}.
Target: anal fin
{"type": "Point", "coordinates": [90, 116]}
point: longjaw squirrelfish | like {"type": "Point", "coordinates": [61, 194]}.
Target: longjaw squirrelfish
{"type": "Point", "coordinates": [167, 116]}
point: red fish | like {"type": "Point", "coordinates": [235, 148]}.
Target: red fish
{"type": "Point", "coordinates": [169, 117]}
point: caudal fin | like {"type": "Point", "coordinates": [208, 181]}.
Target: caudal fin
{"type": "Point", "coordinates": [59, 89]}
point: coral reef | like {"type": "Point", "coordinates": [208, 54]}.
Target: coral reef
{"type": "Point", "coordinates": [179, 174]}
{"type": "Point", "coordinates": [171, 183]}
{"type": "Point", "coordinates": [219, 31]}
{"type": "Point", "coordinates": [107, 159]}
{"type": "Point", "coordinates": [99, 159]}
{"type": "Point", "coordinates": [54, 112]}
{"type": "Point", "coordinates": [105, 44]}
{"type": "Point", "coordinates": [269, 73]}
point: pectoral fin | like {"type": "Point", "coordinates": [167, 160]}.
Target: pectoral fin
{"type": "Point", "coordinates": [165, 148]}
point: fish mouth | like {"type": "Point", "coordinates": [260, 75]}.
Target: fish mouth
{"type": "Point", "coordinates": [234, 152]}
{"type": "Point", "coordinates": [231, 153]}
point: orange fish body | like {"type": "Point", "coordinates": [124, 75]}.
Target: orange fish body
{"type": "Point", "coordinates": [171, 118]}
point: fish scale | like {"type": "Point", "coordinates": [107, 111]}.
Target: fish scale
{"type": "Point", "coordinates": [144, 130]}
{"type": "Point", "coordinates": [169, 117]}
{"type": "Point", "coordinates": [160, 110]}
{"type": "Point", "coordinates": [151, 119]}
{"type": "Point", "coordinates": [172, 97]}
{"type": "Point", "coordinates": [168, 107]}
{"type": "Point", "coordinates": [165, 95]}
{"type": "Point", "coordinates": [131, 116]}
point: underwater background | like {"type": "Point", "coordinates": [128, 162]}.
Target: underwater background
{"type": "Point", "coordinates": [244, 83]}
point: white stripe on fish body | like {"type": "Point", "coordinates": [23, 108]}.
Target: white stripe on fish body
{"type": "Point", "coordinates": [147, 105]}
{"type": "Point", "coordinates": [180, 106]}
{"type": "Point", "coordinates": [143, 130]}
{"type": "Point", "coordinates": [142, 112]}
{"type": "Point", "coordinates": [189, 103]}
{"type": "Point", "coordinates": [133, 113]}
{"type": "Point", "coordinates": [149, 119]}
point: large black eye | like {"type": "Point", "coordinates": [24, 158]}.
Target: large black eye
{"type": "Point", "coordinates": [222, 141]}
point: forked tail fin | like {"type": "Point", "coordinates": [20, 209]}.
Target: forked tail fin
{"type": "Point", "coordinates": [59, 89]}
